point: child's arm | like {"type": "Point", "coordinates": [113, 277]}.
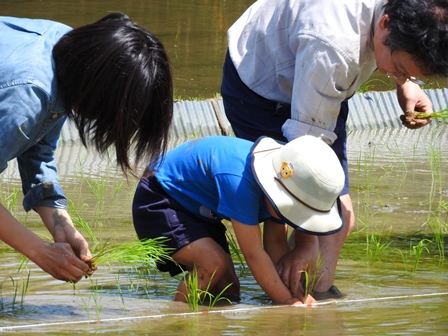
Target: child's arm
{"type": "Point", "coordinates": [260, 264]}
{"type": "Point", "coordinates": [275, 240]}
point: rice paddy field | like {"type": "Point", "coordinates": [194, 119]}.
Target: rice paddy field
{"type": "Point", "coordinates": [392, 269]}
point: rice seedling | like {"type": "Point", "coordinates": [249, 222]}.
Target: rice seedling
{"type": "Point", "coordinates": [396, 151]}
{"type": "Point", "coordinates": [441, 115]}
{"type": "Point", "coordinates": [375, 248]}
{"type": "Point", "coordinates": [133, 252]}
{"type": "Point", "coordinates": [98, 190]}
{"type": "Point", "coordinates": [194, 134]}
{"type": "Point", "coordinates": [78, 221]}
{"type": "Point", "coordinates": [417, 251]}
{"type": "Point", "coordinates": [94, 295]}
{"type": "Point", "coordinates": [119, 290]}
{"type": "Point", "coordinates": [365, 187]}
{"type": "Point", "coordinates": [370, 85]}
{"type": "Point", "coordinates": [435, 162]}
{"type": "Point", "coordinates": [25, 286]}
{"type": "Point", "coordinates": [440, 228]}
{"type": "Point", "coordinates": [236, 252]}
{"type": "Point", "coordinates": [22, 283]}
{"type": "Point", "coordinates": [312, 276]}
{"type": "Point", "coordinates": [19, 286]}
{"type": "Point", "coordinates": [15, 286]}
{"type": "Point", "coordinates": [437, 224]}
{"type": "Point", "coordinates": [9, 201]}
{"type": "Point", "coordinates": [196, 296]}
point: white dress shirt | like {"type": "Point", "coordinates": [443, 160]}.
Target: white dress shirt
{"type": "Point", "coordinates": [312, 54]}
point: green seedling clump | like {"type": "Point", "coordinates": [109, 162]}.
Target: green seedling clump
{"type": "Point", "coordinates": [132, 252]}
{"type": "Point", "coordinates": [439, 115]}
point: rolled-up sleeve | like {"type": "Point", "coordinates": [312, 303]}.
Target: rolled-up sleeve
{"type": "Point", "coordinates": [37, 166]}
{"type": "Point", "coordinates": [321, 83]}
{"type": "Point", "coordinates": [30, 132]}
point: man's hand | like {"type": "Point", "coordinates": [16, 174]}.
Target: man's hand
{"type": "Point", "coordinates": [412, 98]}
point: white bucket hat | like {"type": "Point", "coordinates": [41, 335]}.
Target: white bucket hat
{"type": "Point", "coordinates": [302, 179]}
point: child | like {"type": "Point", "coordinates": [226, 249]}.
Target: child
{"type": "Point", "coordinates": [204, 181]}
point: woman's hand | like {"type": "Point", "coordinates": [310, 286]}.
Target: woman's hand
{"type": "Point", "coordinates": [59, 260]}
{"type": "Point", "coordinates": [62, 229]}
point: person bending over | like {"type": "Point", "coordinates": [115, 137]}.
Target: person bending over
{"type": "Point", "coordinates": [113, 79]}
{"type": "Point", "coordinates": [292, 65]}
{"type": "Point", "coordinates": [204, 181]}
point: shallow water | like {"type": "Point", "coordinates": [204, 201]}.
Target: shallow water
{"type": "Point", "coordinates": [192, 31]}
{"type": "Point", "coordinates": [397, 184]}
{"type": "Point", "coordinates": [395, 188]}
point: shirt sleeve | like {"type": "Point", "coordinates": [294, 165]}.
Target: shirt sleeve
{"type": "Point", "coordinates": [30, 133]}
{"type": "Point", "coordinates": [323, 76]}
{"type": "Point", "coordinates": [40, 180]}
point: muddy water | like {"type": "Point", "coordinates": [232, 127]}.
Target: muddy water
{"type": "Point", "coordinates": [398, 187]}
{"type": "Point", "coordinates": [398, 182]}
{"type": "Point", "coordinates": [192, 31]}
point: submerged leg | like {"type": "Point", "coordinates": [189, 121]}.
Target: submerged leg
{"type": "Point", "coordinates": [210, 262]}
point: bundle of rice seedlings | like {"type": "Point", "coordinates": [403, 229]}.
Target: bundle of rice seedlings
{"type": "Point", "coordinates": [439, 115]}
{"type": "Point", "coordinates": [133, 252]}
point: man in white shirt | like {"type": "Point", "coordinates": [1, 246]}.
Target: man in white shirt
{"type": "Point", "coordinates": [292, 64]}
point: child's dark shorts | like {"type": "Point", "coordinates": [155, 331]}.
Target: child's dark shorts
{"type": "Point", "coordinates": [156, 214]}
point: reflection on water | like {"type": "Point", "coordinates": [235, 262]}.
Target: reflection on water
{"type": "Point", "coordinates": [397, 187]}
{"type": "Point", "coordinates": [397, 250]}
{"type": "Point", "coordinates": [192, 31]}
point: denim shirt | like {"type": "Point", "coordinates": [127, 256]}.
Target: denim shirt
{"type": "Point", "coordinates": [31, 110]}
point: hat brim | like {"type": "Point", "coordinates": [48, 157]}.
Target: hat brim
{"type": "Point", "coordinates": [289, 209]}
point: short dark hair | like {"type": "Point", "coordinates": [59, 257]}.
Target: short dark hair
{"type": "Point", "coordinates": [116, 83]}
{"type": "Point", "coordinates": [420, 28]}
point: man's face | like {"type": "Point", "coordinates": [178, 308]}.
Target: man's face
{"type": "Point", "coordinates": [398, 65]}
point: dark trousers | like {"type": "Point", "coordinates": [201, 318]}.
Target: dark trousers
{"type": "Point", "coordinates": [252, 115]}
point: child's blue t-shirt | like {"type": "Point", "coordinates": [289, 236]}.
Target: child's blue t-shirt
{"type": "Point", "coordinates": [211, 177]}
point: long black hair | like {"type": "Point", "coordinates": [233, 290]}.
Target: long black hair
{"type": "Point", "coordinates": [116, 82]}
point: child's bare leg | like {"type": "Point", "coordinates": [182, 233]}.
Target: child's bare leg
{"type": "Point", "coordinates": [211, 262]}
{"type": "Point", "coordinates": [233, 291]}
